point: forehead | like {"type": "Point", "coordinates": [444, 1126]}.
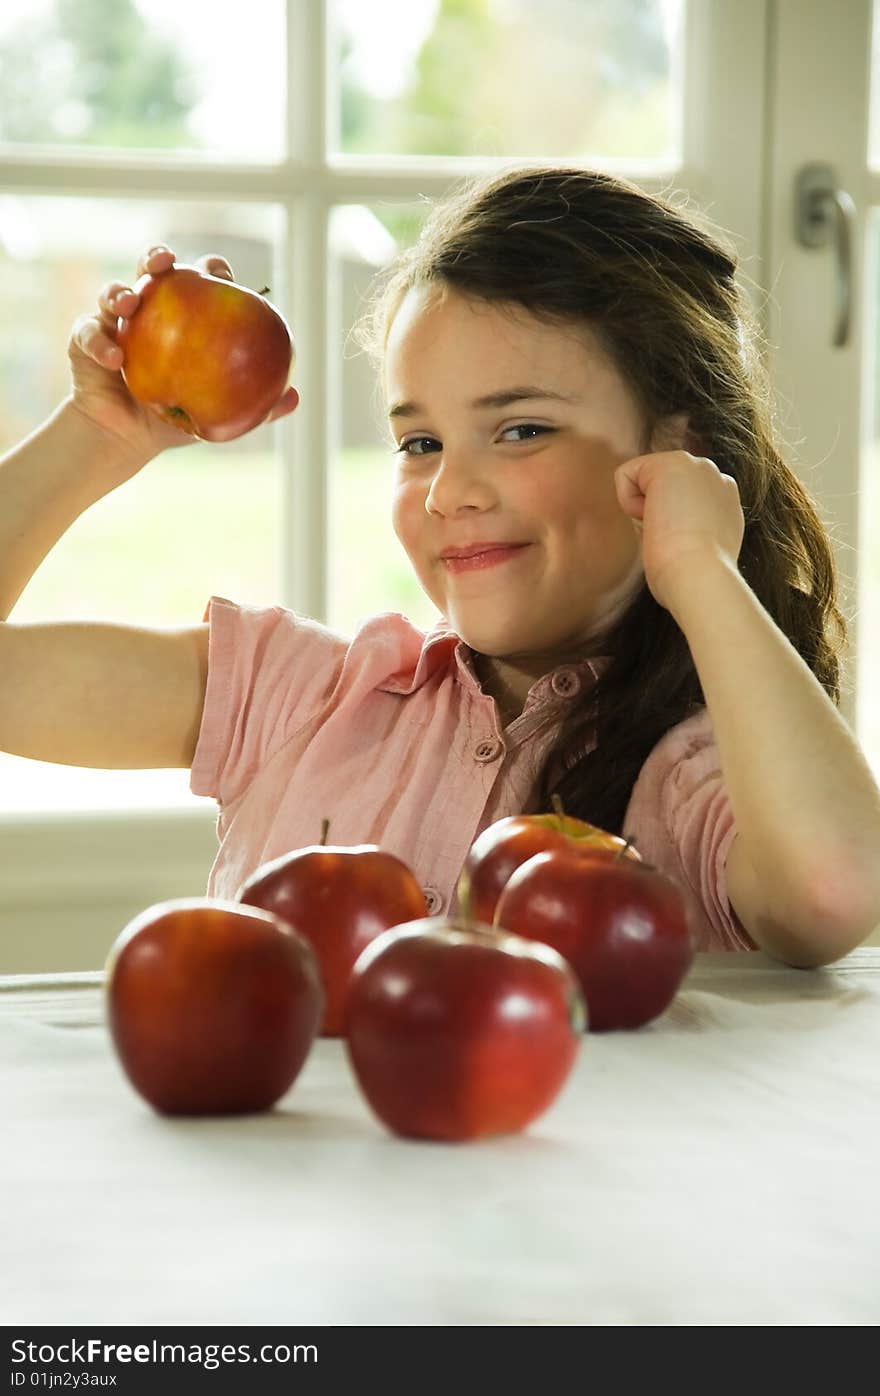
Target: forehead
{"type": "Point", "coordinates": [439, 328]}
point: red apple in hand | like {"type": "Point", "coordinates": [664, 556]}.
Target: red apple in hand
{"type": "Point", "coordinates": [458, 1031]}
{"type": "Point", "coordinates": [499, 850]}
{"type": "Point", "coordinates": [339, 898]}
{"type": "Point", "coordinates": [207, 355]}
{"type": "Point", "coordinates": [621, 925]}
{"type": "Point", "coordinates": [212, 1007]}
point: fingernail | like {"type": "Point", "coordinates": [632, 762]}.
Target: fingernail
{"type": "Point", "coordinates": [160, 247]}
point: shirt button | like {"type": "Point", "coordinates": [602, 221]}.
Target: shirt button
{"type": "Point", "coordinates": [565, 683]}
{"type": "Point", "coordinates": [433, 900]}
{"type": "Point", "coordinates": [488, 750]}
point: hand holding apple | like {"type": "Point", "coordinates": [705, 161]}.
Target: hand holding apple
{"type": "Point", "coordinates": [212, 1007]}
{"type": "Point", "coordinates": [339, 898]}
{"type": "Point", "coordinates": [622, 926]}
{"type": "Point", "coordinates": [457, 1031]}
{"type": "Point", "coordinates": [207, 355]}
{"type": "Point", "coordinates": [133, 432]}
{"type": "Point", "coordinates": [499, 850]}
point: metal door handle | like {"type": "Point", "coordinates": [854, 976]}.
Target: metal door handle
{"type": "Point", "coordinates": [823, 211]}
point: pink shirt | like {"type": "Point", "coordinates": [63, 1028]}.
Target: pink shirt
{"type": "Point", "coordinates": [390, 736]}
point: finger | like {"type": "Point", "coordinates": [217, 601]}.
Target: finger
{"type": "Point", "coordinates": [626, 482]}
{"type": "Point", "coordinates": [90, 336]}
{"type": "Point", "coordinates": [215, 265]}
{"type": "Point", "coordinates": [116, 299]}
{"type": "Point", "coordinates": [157, 258]}
{"type": "Point", "coordinates": [287, 403]}
{"type": "Point", "coordinates": [633, 507]}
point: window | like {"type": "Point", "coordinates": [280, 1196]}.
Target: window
{"type": "Point", "coordinates": [303, 141]}
{"type": "Point", "coordinates": [145, 121]}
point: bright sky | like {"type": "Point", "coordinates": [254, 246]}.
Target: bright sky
{"type": "Point", "coordinates": [386, 36]}
{"type": "Point", "coordinates": [242, 64]}
{"type": "Point", "coordinates": [247, 59]}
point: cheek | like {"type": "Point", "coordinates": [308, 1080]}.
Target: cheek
{"type": "Point", "coordinates": [407, 516]}
{"type": "Point", "coordinates": [580, 502]}
{"type": "Point", "coordinates": [585, 517]}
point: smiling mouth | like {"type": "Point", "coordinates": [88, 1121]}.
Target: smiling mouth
{"type": "Point", "coordinates": [478, 561]}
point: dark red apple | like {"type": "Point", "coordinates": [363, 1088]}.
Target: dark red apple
{"type": "Point", "coordinates": [205, 354]}
{"type": "Point", "coordinates": [339, 898]}
{"type": "Point", "coordinates": [212, 1007]}
{"type": "Point", "coordinates": [457, 1031]}
{"type": "Point", "coordinates": [508, 843]}
{"type": "Point", "coordinates": [621, 925]}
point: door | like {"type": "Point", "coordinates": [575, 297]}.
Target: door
{"type": "Point", "coordinates": [823, 193]}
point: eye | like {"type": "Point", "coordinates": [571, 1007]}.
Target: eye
{"type": "Point", "coordinates": [405, 448]}
{"type": "Point", "coordinates": [528, 426]}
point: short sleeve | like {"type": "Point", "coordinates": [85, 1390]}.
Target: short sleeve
{"type": "Point", "coordinates": [270, 671]}
{"type": "Point", "coordinates": [681, 807]}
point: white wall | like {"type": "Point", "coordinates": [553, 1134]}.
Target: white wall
{"type": "Point", "coordinates": [64, 906]}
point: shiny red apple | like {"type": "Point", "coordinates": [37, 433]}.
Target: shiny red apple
{"type": "Point", "coordinates": [205, 354]}
{"type": "Point", "coordinates": [339, 898]}
{"type": "Point", "coordinates": [212, 1007]}
{"type": "Point", "coordinates": [622, 926]}
{"type": "Point", "coordinates": [499, 850]}
{"type": "Point", "coordinates": [457, 1031]}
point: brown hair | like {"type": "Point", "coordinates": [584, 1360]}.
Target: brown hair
{"type": "Point", "coordinates": [574, 246]}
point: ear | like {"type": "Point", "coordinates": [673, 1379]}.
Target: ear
{"type": "Point", "coordinates": [673, 433]}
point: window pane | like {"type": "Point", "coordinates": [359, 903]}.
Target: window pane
{"type": "Point", "coordinates": [564, 78]}
{"type": "Point", "coordinates": [369, 571]}
{"type": "Point", "coordinates": [197, 520]}
{"type": "Point", "coordinates": [143, 74]}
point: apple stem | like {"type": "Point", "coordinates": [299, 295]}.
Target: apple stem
{"type": "Point", "coordinates": [557, 805]}
{"type": "Point", "coordinates": [325, 825]}
{"type": "Point", "coordinates": [621, 852]}
{"type": "Point", "coordinates": [265, 291]}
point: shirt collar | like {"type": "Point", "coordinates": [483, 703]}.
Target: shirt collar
{"type": "Point", "coordinates": [442, 646]}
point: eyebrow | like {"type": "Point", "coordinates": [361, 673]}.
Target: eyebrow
{"type": "Point", "coordinates": [499, 399]}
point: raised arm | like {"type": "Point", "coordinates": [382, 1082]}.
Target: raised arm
{"type": "Point", "coordinates": [93, 693]}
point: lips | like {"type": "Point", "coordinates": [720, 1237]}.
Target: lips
{"type": "Point", "coordinates": [475, 549]}
{"type": "Point", "coordinates": [494, 556]}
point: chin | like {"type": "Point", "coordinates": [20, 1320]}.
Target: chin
{"type": "Point", "coordinates": [492, 643]}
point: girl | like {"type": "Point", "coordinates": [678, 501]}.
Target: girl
{"type": "Point", "coordinates": [638, 597]}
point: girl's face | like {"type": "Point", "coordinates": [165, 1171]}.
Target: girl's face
{"type": "Point", "coordinates": [538, 470]}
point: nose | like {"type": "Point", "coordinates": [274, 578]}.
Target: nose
{"type": "Point", "coordinates": [459, 483]}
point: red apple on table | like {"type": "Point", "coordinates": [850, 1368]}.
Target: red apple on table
{"type": "Point", "coordinates": [457, 1031]}
{"type": "Point", "coordinates": [339, 897]}
{"type": "Point", "coordinates": [621, 925]}
{"type": "Point", "coordinates": [205, 354]}
{"type": "Point", "coordinates": [212, 1007]}
{"type": "Point", "coordinates": [499, 850]}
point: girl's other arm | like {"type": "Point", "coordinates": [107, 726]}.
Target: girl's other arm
{"type": "Point", "coordinates": [803, 871]}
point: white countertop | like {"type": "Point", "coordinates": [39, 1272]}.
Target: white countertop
{"type": "Point", "coordinates": [718, 1166]}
